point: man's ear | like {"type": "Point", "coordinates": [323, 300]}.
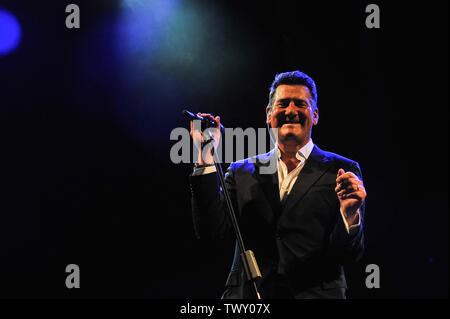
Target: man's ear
{"type": "Point", "coordinates": [316, 116]}
{"type": "Point", "coordinates": [268, 114]}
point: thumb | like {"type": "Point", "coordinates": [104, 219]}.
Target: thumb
{"type": "Point", "coordinates": [340, 172]}
{"type": "Point", "coordinates": [218, 121]}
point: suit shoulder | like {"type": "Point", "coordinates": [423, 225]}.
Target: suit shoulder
{"type": "Point", "coordinates": [339, 159]}
{"type": "Point", "coordinates": [248, 164]}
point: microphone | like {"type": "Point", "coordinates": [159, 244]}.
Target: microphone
{"type": "Point", "coordinates": [206, 121]}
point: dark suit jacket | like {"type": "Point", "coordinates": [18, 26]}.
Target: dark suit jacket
{"type": "Point", "coordinates": [300, 245]}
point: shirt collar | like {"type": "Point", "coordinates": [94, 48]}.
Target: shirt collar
{"type": "Point", "coordinates": [302, 153]}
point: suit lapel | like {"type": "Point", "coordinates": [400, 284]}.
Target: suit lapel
{"type": "Point", "coordinates": [315, 167]}
{"type": "Point", "coordinates": [269, 182]}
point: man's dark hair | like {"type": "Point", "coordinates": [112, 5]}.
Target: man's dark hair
{"type": "Point", "coordinates": [293, 78]}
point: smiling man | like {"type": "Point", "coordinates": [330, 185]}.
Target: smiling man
{"type": "Point", "coordinates": [304, 221]}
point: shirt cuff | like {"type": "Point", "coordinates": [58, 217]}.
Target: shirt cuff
{"type": "Point", "coordinates": [204, 170]}
{"type": "Point", "coordinates": [352, 229]}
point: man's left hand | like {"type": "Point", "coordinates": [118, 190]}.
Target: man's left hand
{"type": "Point", "coordinates": [351, 194]}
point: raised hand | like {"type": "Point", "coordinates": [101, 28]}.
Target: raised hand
{"type": "Point", "coordinates": [350, 192]}
{"type": "Point", "coordinates": [199, 137]}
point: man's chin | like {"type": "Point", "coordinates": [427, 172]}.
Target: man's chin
{"type": "Point", "coordinates": [291, 134]}
{"type": "Point", "coordinates": [291, 137]}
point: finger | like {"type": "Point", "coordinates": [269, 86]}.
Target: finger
{"type": "Point", "coordinates": [348, 185]}
{"type": "Point", "coordinates": [340, 172]}
{"type": "Point", "coordinates": [356, 189]}
{"type": "Point", "coordinates": [195, 133]}
{"type": "Point", "coordinates": [350, 181]}
{"type": "Point", "coordinates": [206, 115]}
{"type": "Point", "coordinates": [345, 176]}
{"type": "Point", "coordinates": [340, 187]}
{"type": "Point", "coordinates": [359, 195]}
{"type": "Point", "coordinates": [209, 116]}
{"type": "Point", "coordinates": [350, 189]}
{"type": "Point", "coordinates": [195, 126]}
{"type": "Point", "coordinates": [217, 119]}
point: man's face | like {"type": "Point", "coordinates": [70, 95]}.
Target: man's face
{"type": "Point", "coordinates": [292, 114]}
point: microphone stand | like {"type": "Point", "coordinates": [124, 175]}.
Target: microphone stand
{"type": "Point", "coordinates": [247, 257]}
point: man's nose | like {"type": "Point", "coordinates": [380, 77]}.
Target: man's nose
{"type": "Point", "coordinates": [291, 109]}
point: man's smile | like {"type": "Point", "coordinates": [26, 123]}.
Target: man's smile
{"type": "Point", "coordinates": [290, 124]}
{"type": "Point", "coordinates": [294, 121]}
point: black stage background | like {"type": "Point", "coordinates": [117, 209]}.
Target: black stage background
{"type": "Point", "coordinates": [86, 176]}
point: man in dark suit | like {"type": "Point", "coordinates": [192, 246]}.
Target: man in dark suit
{"type": "Point", "coordinates": [304, 220]}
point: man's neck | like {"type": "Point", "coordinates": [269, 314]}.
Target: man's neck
{"type": "Point", "coordinates": [288, 153]}
{"type": "Point", "coordinates": [290, 149]}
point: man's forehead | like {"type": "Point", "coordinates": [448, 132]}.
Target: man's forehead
{"type": "Point", "coordinates": [297, 90]}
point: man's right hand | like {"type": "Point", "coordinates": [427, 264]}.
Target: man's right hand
{"type": "Point", "coordinates": [204, 156]}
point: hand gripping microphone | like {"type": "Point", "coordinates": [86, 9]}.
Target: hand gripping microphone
{"type": "Point", "coordinates": [207, 122]}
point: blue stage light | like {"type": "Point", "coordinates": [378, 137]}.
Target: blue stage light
{"type": "Point", "coordinates": [10, 32]}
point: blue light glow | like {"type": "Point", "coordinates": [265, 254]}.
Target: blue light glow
{"type": "Point", "coordinates": [10, 32]}
{"type": "Point", "coordinates": [176, 40]}
{"type": "Point", "coordinates": [168, 51]}
{"type": "Point", "coordinates": [157, 31]}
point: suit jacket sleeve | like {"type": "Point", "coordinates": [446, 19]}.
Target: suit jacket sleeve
{"type": "Point", "coordinates": [349, 247]}
{"type": "Point", "coordinates": [209, 210]}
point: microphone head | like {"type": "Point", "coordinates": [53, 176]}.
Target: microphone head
{"type": "Point", "coordinates": [191, 115]}
{"type": "Point", "coordinates": [187, 113]}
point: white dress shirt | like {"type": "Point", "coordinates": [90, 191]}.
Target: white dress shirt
{"type": "Point", "coordinates": [286, 180]}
